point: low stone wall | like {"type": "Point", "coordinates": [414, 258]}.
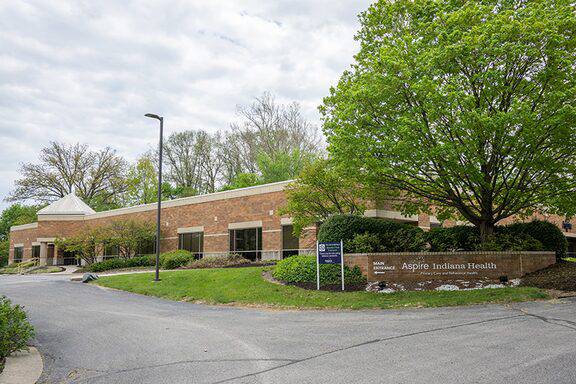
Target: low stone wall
{"type": "Point", "coordinates": [425, 266]}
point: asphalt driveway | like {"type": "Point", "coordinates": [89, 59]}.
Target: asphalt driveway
{"type": "Point", "coordinates": [92, 335]}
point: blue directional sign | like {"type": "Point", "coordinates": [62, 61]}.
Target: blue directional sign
{"type": "Point", "coordinates": [330, 253]}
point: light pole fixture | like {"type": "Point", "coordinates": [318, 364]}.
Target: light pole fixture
{"type": "Point", "coordinates": [161, 119]}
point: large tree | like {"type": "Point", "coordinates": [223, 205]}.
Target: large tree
{"type": "Point", "coordinates": [142, 182]}
{"type": "Point", "coordinates": [467, 105]}
{"type": "Point", "coordinates": [322, 190]}
{"type": "Point", "coordinates": [270, 128]}
{"type": "Point", "coordinates": [269, 142]}
{"type": "Point", "coordinates": [97, 177]}
{"type": "Point", "coordinates": [183, 160]}
{"type": "Point", "coordinates": [15, 214]}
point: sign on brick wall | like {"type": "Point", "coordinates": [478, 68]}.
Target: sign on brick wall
{"type": "Point", "coordinates": [427, 266]}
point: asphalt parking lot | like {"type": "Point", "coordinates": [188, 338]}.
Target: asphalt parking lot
{"type": "Point", "coordinates": [92, 335]}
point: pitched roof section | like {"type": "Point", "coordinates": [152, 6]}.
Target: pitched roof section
{"type": "Point", "coordinates": [68, 205]}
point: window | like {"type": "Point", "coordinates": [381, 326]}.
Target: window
{"type": "Point", "coordinates": [247, 242]}
{"type": "Point", "coordinates": [290, 243]}
{"type": "Point", "coordinates": [36, 251]}
{"type": "Point", "coordinates": [193, 242]}
{"type": "Point", "coordinates": [111, 251]}
{"type": "Point", "coordinates": [18, 254]}
{"type": "Point", "coordinates": [147, 247]}
{"type": "Point", "coordinates": [69, 258]}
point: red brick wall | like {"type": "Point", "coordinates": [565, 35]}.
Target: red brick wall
{"type": "Point", "coordinates": [214, 216]}
{"type": "Point", "coordinates": [390, 266]}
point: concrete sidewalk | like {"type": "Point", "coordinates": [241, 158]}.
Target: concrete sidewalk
{"type": "Point", "coordinates": [22, 368]}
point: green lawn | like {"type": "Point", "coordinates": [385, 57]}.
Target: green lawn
{"type": "Point", "coordinates": [246, 286]}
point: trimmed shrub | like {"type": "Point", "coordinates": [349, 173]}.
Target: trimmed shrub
{"type": "Point", "coordinates": [365, 243]}
{"type": "Point", "coordinates": [302, 269]}
{"type": "Point", "coordinates": [218, 262]}
{"type": "Point", "coordinates": [393, 236]}
{"type": "Point", "coordinates": [117, 263]}
{"type": "Point", "coordinates": [533, 236]}
{"type": "Point", "coordinates": [15, 331]}
{"type": "Point", "coordinates": [548, 234]}
{"type": "Point", "coordinates": [459, 238]}
{"type": "Point", "coordinates": [176, 259]}
{"type": "Point", "coordinates": [510, 242]}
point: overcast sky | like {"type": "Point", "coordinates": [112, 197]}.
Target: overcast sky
{"type": "Point", "coordinates": [87, 71]}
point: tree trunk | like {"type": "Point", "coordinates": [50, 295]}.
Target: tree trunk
{"type": "Point", "coordinates": [486, 230]}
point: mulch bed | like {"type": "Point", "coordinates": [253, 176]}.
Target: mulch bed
{"type": "Point", "coordinates": [560, 276]}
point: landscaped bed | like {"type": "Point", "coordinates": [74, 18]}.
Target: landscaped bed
{"type": "Point", "coordinates": [560, 276]}
{"type": "Point", "coordinates": [29, 267]}
{"type": "Point", "coordinates": [246, 286]}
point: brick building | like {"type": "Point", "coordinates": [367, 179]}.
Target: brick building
{"type": "Point", "coordinates": [244, 221]}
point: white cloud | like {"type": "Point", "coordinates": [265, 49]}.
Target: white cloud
{"type": "Point", "coordinates": [87, 71]}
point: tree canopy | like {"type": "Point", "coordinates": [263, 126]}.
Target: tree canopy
{"type": "Point", "coordinates": [269, 141]}
{"type": "Point", "coordinates": [468, 105]}
{"type": "Point", "coordinates": [97, 177]}
{"type": "Point", "coordinates": [141, 183]}
{"type": "Point", "coordinates": [322, 190]}
{"type": "Point", "coordinates": [15, 214]}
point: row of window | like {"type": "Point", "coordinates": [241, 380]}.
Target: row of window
{"type": "Point", "coordinates": [19, 253]}
{"type": "Point", "coordinates": [146, 248]}
{"type": "Point", "coordinates": [246, 242]}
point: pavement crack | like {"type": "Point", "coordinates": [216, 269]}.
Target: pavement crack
{"type": "Point", "coordinates": [358, 345]}
{"type": "Point", "coordinates": [199, 361]}
{"type": "Point", "coordinates": [569, 324]}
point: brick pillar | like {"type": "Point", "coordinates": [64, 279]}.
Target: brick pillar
{"type": "Point", "coordinates": [308, 239]}
{"type": "Point", "coordinates": [271, 244]}
{"type": "Point", "coordinates": [424, 221]}
{"type": "Point", "coordinates": [216, 244]}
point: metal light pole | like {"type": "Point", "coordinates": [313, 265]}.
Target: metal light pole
{"type": "Point", "coordinates": [161, 119]}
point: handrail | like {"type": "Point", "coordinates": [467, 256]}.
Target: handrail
{"type": "Point", "coordinates": [34, 259]}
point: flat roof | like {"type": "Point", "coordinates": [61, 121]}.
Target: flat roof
{"type": "Point", "coordinates": [222, 195]}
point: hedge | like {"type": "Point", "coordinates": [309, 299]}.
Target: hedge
{"type": "Point", "coordinates": [231, 260]}
{"type": "Point", "coordinates": [391, 236]}
{"type": "Point", "coordinates": [548, 234]}
{"type": "Point", "coordinates": [302, 269]}
{"type": "Point", "coordinates": [176, 259]}
{"type": "Point", "coordinates": [363, 234]}
{"type": "Point", "coordinates": [117, 263]}
{"type": "Point", "coordinates": [15, 331]}
{"type": "Point", "coordinates": [531, 236]}
{"type": "Point", "coordinates": [458, 238]}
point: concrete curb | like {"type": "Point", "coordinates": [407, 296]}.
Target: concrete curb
{"type": "Point", "coordinates": [79, 277]}
{"type": "Point", "coordinates": [23, 368]}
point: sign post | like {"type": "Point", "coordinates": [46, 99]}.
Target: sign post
{"type": "Point", "coordinates": [329, 253]}
{"type": "Point", "coordinates": [342, 262]}
{"type": "Point", "coordinates": [317, 267]}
